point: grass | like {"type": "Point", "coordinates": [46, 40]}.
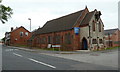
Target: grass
{"type": "Point", "coordinates": [50, 49]}
{"type": "Point", "coordinates": [25, 46]}
{"type": "Point", "coordinates": [112, 48]}
{"type": "Point", "coordinates": [109, 48]}
{"type": "Point", "coordinates": [21, 46]}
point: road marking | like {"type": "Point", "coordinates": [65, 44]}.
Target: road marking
{"type": "Point", "coordinates": [41, 63]}
{"type": "Point", "coordinates": [18, 55]}
{"type": "Point", "coordinates": [10, 49]}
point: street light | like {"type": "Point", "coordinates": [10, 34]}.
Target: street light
{"type": "Point", "coordinates": [30, 23]}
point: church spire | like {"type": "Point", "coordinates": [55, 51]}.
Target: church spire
{"type": "Point", "coordinates": [86, 8]}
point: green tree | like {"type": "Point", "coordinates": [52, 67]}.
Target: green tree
{"type": "Point", "coordinates": [5, 13]}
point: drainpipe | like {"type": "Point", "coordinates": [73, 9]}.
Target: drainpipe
{"type": "Point", "coordinates": [89, 37]}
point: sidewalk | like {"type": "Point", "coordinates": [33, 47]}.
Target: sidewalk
{"type": "Point", "coordinates": [106, 58]}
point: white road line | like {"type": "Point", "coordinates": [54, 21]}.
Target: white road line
{"type": "Point", "coordinates": [18, 55]}
{"type": "Point", "coordinates": [41, 63]}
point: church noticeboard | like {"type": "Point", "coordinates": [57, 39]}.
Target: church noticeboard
{"type": "Point", "coordinates": [76, 30]}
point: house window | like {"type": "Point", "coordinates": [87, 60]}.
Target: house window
{"type": "Point", "coordinates": [94, 41]}
{"type": "Point", "coordinates": [26, 33]}
{"type": "Point", "coordinates": [43, 40]}
{"type": "Point", "coordinates": [93, 25]}
{"type": "Point", "coordinates": [49, 39]}
{"type": "Point", "coordinates": [99, 27]}
{"type": "Point", "coordinates": [57, 39]}
{"type": "Point", "coordinates": [100, 41]}
{"type": "Point", "coordinates": [68, 38]}
{"type": "Point", "coordinates": [38, 40]}
{"type": "Point", "coordinates": [21, 33]}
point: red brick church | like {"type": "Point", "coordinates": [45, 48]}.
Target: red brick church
{"type": "Point", "coordinates": [82, 30]}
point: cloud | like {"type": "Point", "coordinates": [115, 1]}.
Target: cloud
{"type": "Point", "coordinates": [41, 11]}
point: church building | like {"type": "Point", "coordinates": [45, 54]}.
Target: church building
{"type": "Point", "coordinates": [82, 30]}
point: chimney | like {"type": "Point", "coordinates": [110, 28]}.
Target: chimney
{"type": "Point", "coordinates": [11, 28]}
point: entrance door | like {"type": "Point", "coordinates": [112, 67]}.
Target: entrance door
{"type": "Point", "coordinates": [84, 44]}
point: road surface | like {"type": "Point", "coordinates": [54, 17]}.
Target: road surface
{"type": "Point", "coordinates": [15, 59]}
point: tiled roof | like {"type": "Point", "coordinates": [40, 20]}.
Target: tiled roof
{"type": "Point", "coordinates": [60, 24]}
{"type": "Point", "coordinates": [110, 31]}
{"type": "Point", "coordinates": [65, 23]}
{"type": "Point", "coordinates": [19, 28]}
{"type": "Point", "coordinates": [87, 18]}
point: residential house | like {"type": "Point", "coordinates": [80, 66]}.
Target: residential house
{"type": "Point", "coordinates": [112, 37]}
{"type": "Point", "coordinates": [7, 38]}
{"type": "Point", "coordinates": [17, 36]}
{"type": "Point", "coordinates": [82, 30]}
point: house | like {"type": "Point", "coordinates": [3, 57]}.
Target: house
{"type": "Point", "coordinates": [7, 38]}
{"type": "Point", "coordinates": [82, 30]}
{"type": "Point", "coordinates": [17, 36]}
{"type": "Point", "coordinates": [112, 37]}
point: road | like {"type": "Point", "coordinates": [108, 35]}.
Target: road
{"type": "Point", "coordinates": [15, 59]}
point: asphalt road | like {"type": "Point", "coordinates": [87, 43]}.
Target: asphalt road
{"type": "Point", "coordinates": [15, 59]}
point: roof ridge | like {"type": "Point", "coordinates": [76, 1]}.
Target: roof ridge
{"type": "Point", "coordinates": [18, 28]}
{"type": "Point", "coordinates": [112, 29]}
{"type": "Point", "coordinates": [65, 15]}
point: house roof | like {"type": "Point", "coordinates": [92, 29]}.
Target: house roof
{"type": "Point", "coordinates": [19, 28]}
{"type": "Point", "coordinates": [110, 31]}
{"type": "Point", "coordinates": [34, 33]}
{"type": "Point", "coordinates": [87, 18]}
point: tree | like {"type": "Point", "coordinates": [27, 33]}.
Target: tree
{"type": "Point", "coordinates": [5, 13]}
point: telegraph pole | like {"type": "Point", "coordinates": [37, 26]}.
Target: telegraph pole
{"type": "Point", "coordinates": [30, 23]}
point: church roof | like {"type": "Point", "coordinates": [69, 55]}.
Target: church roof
{"type": "Point", "coordinates": [65, 23]}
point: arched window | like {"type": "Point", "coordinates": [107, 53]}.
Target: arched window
{"type": "Point", "coordinates": [43, 40]}
{"type": "Point", "coordinates": [49, 39]}
{"type": "Point", "coordinates": [100, 41]}
{"type": "Point", "coordinates": [93, 25]}
{"type": "Point", "coordinates": [99, 27]}
{"type": "Point", "coordinates": [57, 39]}
{"type": "Point", "coordinates": [68, 38]}
{"type": "Point", "coordinates": [37, 40]}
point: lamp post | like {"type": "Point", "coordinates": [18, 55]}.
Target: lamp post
{"type": "Point", "coordinates": [30, 23]}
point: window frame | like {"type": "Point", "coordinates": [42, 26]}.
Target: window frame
{"type": "Point", "coordinates": [21, 34]}
{"type": "Point", "coordinates": [68, 38]}
{"type": "Point", "coordinates": [26, 34]}
{"type": "Point", "coordinates": [100, 27]}
{"type": "Point", "coordinates": [93, 25]}
{"type": "Point", "coordinates": [94, 41]}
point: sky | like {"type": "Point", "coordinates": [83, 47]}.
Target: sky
{"type": "Point", "coordinates": [41, 11]}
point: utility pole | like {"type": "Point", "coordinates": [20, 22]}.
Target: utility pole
{"type": "Point", "coordinates": [30, 23]}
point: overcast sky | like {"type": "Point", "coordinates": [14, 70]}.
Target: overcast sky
{"type": "Point", "coordinates": [41, 11]}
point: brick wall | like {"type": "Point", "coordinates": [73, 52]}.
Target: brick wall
{"type": "Point", "coordinates": [113, 40]}
{"type": "Point", "coordinates": [74, 45]}
{"type": "Point", "coordinates": [16, 39]}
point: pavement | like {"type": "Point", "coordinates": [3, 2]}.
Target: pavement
{"type": "Point", "coordinates": [105, 58]}
{"type": "Point", "coordinates": [14, 58]}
